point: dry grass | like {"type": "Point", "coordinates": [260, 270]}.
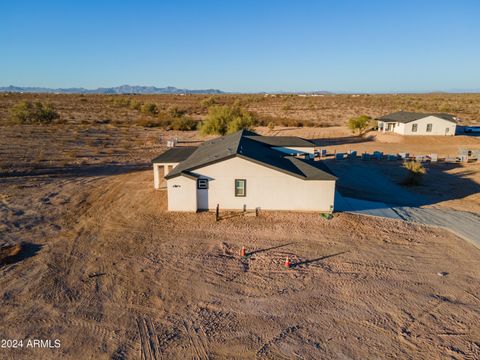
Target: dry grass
{"type": "Point", "coordinates": [288, 110]}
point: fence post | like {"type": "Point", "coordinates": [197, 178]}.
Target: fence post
{"type": "Point", "coordinates": [244, 208]}
{"type": "Point", "coordinates": [217, 213]}
{"type": "Point", "coordinates": [256, 211]}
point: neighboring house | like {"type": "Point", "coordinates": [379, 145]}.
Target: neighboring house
{"type": "Point", "coordinates": [246, 170]}
{"type": "Point", "coordinates": [412, 123]}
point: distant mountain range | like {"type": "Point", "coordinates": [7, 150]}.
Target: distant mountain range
{"type": "Point", "coordinates": [124, 89]}
{"type": "Point", "coordinates": [133, 89]}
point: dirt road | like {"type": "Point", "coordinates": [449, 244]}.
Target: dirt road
{"type": "Point", "coordinates": [115, 276]}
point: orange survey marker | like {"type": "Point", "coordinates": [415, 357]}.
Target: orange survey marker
{"type": "Point", "coordinates": [244, 253]}
{"type": "Point", "coordinates": [287, 262]}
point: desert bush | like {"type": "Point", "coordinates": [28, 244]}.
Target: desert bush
{"type": "Point", "coordinates": [176, 112]}
{"type": "Point", "coordinates": [121, 101]}
{"type": "Point", "coordinates": [209, 101]}
{"type": "Point", "coordinates": [135, 105]}
{"type": "Point", "coordinates": [149, 109]}
{"type": "Point", "coordinates": [360, 123]}
{"type": "Point", "coordinates": [26, 112]}
{"type": "Point", "coordinates": [149, 122]}
{"type": "Point", "coordinates": [227, 119]}
{"type": "Point", "coordinates": [271, 125]}
{"type": "Point", "coordinates": [184, 124]}
{"type": "Point", "coordinates": [415, 172]}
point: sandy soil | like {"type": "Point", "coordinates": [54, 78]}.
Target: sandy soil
{"type": "Point", "coordinates": [112, 275]}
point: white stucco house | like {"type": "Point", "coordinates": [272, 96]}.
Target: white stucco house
{"type": "Point", "coordinates": [247, 170]}
{"type": "Point", "coordinates": [412, 123]}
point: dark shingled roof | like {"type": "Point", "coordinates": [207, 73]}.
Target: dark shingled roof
{"type": "Point", "coordinates": [406, 116]}
{"type": "Point", "coordinates": [242, 144]}
{"type": "Point", "coordinates": [175, 155]}
{"type": "Point", "coordinates": [287, 141]}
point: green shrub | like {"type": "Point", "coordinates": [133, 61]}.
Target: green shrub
{"type": "Point", "coordinates": [360, 123]}
{"type": "Point", "coordinates": [149, 122]}
{"type": "Point", "coordinates": [149, 109]}
{"type": "Point", "coordinates": [121, 101]}
{"type": "Point", "coordinates": [223, 120]}
{"type": "Point", "coordinates": [209, 101]}
{"type": "Point", "coordinates": [271, 125]}
{"type": "Point", "coordinates": [135, 105]}
{"type": "Point", "coordinates": [415, 172]}
{"type": "Point", "coordinates": [175, 112]}
{"type": "Point", "coordinates": [26, 112]}
{"type": "Point", "coordinates": [184, 124]}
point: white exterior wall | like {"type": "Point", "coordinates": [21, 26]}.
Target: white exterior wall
{"type": "Point", "coordinates": [156, 172]}
{"type": "Point", "coordinates": [182, 194]}
{"type": "Point", "coordinates": [439, 127]}
{"type": "Point", "coordinates": [266, 188]}
{"type": "Point", "coordinates": [295, 150]}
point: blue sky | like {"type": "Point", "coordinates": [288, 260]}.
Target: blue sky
{"type": "Point", "coordinates": [336, 45]}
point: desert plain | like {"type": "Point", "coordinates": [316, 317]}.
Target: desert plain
{"type": "Point", "coordinates": [109, 272]}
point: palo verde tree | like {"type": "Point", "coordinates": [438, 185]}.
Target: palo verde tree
{"type": "Point", "coordinates": [360, 124]}
{"type": "Point", "coordinates": [223, 120]}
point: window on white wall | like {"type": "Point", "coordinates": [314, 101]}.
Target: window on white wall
{"type": "Point", "coordinates": [429, 127]}
{"type": "Point", "coordinates": [414, 127]}
{"type": "Point", "coordinates": [202, 183]}
{"type": "Point", "coordinates": [240, 187]}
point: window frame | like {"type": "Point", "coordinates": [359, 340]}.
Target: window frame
{"type": "Point", "coordinates": [244, 187]}
{"type": "Point", "coordinates": [414, 127]}
{"type": "Point", "coordinates": [202, 180]}
{"type": "Point", "coordinates": [429, 127]}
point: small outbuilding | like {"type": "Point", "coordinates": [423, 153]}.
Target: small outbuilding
{"type": "Point", "coordinates": [246, 171]}
{"type": "Point", "coordinates": [412, 123]}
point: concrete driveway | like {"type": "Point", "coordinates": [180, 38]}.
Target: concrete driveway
{"type": "Point", "coordinates": [462, 223]}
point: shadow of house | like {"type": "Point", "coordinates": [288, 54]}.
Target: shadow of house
{"type": "Point", "coordinates": [381, 181]}
{"type": "Point", "coordinates": [344, 140]}
{"type": "Point", "coordinates": [83, 170]}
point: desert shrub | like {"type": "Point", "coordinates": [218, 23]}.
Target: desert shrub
{"type": "Point", "coordinates": [271, 125]}
{"type": "Point", "coordinates": [227, 119]}
{"type": "Point", "coordinates": [209, 101]}
{"type": "Point", "coordinates": [176, 112]}
{"type": "Point", "coordinates": [149, 122]}
{"type": "Point", "coordinates": [415, 172]}
{"type": "Point", "coordinates": [26, 112]}
{"type": "Point", "coordinates": [360, 123]}
{"type": "Point", "coordinates": [149, 109]}
{"type": "Point", "coordinates": [184, 124]}
{"type": "Point", "coordinates": [135, 105]}
{"type": "Point", "coordinates": [121, 101]}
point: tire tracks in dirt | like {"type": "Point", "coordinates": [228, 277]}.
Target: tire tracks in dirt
{"type": "Point", "coordinates": [197, 341]}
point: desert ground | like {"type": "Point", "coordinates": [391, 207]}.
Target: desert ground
{"type": "Point", "coordinates": [107, 271]}
{"type": "Point", "coordinates": [113, 275]}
